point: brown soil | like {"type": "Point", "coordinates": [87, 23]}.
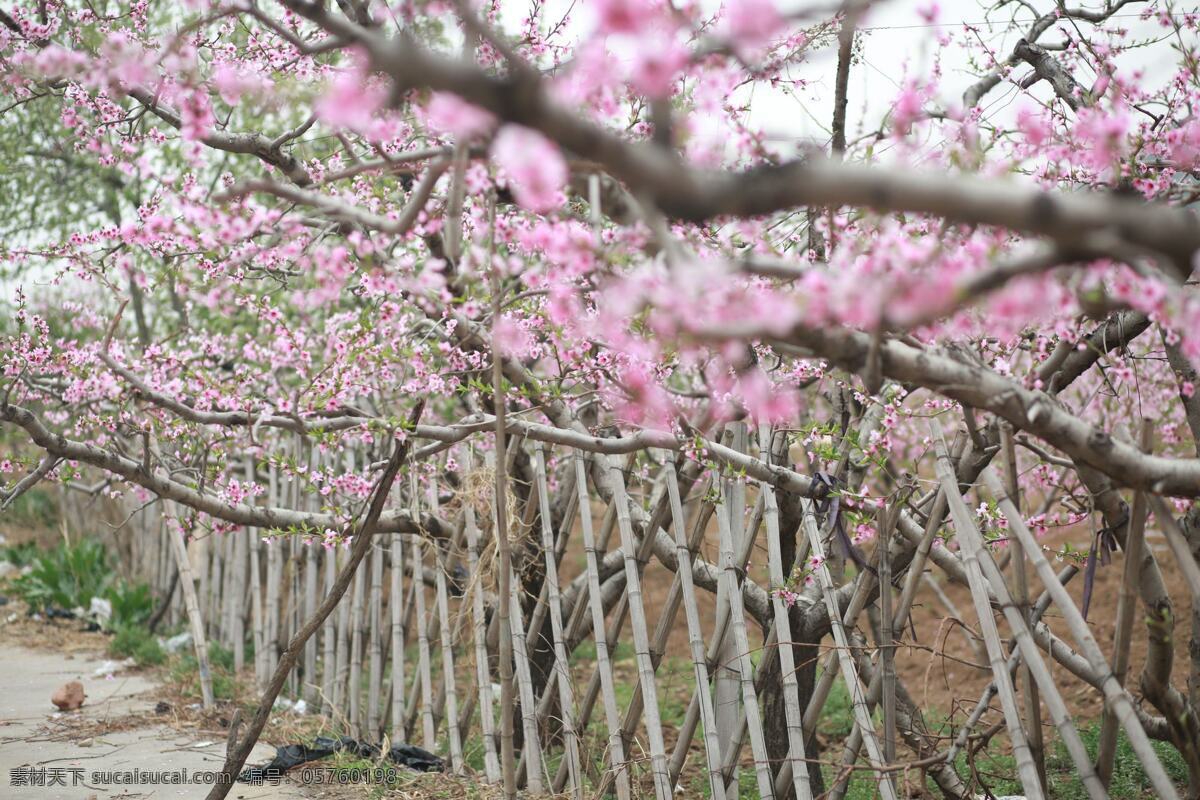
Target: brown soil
{"type": "Point", "coordinates": [941, 668]}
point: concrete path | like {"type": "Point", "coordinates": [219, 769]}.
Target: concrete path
{"type": "Point", "coordinates": [35, 747]}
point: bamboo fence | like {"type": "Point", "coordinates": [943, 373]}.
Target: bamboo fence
{"type": "Point", "coordinates": [505, 567]}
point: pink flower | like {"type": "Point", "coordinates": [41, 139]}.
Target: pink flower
{"type": "Point", "coordinates": [232, 81]}
{"type": "Point", "coordinates": [1183, 144]}
{"type": "Point", "coordinates": [1034, 126]}
{"type": "Point", "coordinates": [764, 401]}
{"type": "Point", "coordinates": [450, 114]}
{"type": "Point", "coordinates": [753, 23]}
{"type": "Point", "coordinates": [195, 116]}
{"type": "Point", "coordinates": [1104, 134]}
{"type": "Point", "coordinates": [906, 109]}
{"type": "Point", "coordinates": [511, 338]}
{"type": "Point", "coordinates": [657, 63]}
{"type": "Point", "coordinates": [352, 99]}
{"type": "Point", "coordinates": [535, 168]}
{"type": "Point", "coordinates": [622, 16]}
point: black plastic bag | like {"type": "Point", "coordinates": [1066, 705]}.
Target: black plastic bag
{"type": "Point", "coordinates": [293, 755]}
{"type": "Point", "coordinates": [286, 757]}
{"type": "Point", "coordinates": [413, 757]}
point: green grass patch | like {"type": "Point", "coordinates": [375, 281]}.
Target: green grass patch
{"type": "Point", "coordinates": [137, 643]}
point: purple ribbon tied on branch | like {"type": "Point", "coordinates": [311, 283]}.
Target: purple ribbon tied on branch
{"type": "Point", "coordinates": [827, 503]}
{"type": "Point", "coordinates": [1104, 544]}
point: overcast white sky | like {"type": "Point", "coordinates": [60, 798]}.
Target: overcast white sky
{"type": "Point", "coordinates": [898, 41]}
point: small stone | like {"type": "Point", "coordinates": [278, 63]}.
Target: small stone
{"type": "Point", "coordinates": [69, 696]}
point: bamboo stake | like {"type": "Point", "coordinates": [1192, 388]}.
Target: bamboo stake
{"type": "Point", "coordinates": [887, 641]}
{"type": "Point", "coordinates": [985, 700]}
{"type": "Point", "coordinates": [499, 403]}
{"type": "Point", "coordinates": [864, 584]}
{"type": "Point", "coordinates": [531, 748]}
{"type": "Point", "coordinates": [603, 663]}
{"type": "Point", "coordinates": [341, 685]}
{"type": "Point", "coordinates": [566, 697]}
{"type": "Point", "coordinates": [531, 751]}
{"type": "Point", "coordinates": [573, 625]}
{"type": "Point", "coordinates": [256, 607]}
{"type": "Point", "coordinates": [241, 547]}
{"type": "Point", "coordinates": [424, 672]}
{"type": "Point", "coordinates": [546, 702]}
{"type": "Point", "coordinates": [381, 731]}
{"type": "Point", "coordinates": [727, 685]}
{"type": "Point", "coordinates": [1026, 768]}
{"type": "Point", "coordinates": [762, 764]}
{"type": "Point", "coordinates": [664, 626]}
{"type": "Point", "coordinates": [978, 564]}
{"type": "Point", "coordinates": [447, 642]}
{"type": "Point", "coordinates": [311, 569]}
{"type": "Point", "coordinates": [1117, 697]}
{"type": "Point", "coordinates": [213, 611]}
{"type": "Point", "coordinates": [273, 580]}
{"type": "Point", "coordinates": [612, 633]}
{"type": "Point", "coordinates": [1028, 687]}
{"type": "Point", "coordinates": [787, 659]}
{"type": "Point", "coordinates": [329, 639]}
{"type": "Point", "coordinates": [357, 625]}
{"type": "Point", "coordinates": [691, 611]}
{"type": "Point", "coordinates": [413, 703]}
{"type": "Point", "coordinates": [224, 603]}
{"type": "Point", "coordinates": [396, 603]}
{"type": "Point", "coordinates": [166, 561]}
{"type": "Point", "coordinates": [192, 604]}
{"type": "Point", "coordinates": [862, 715]}
{"type": "Point", "coordinates": [375, 643]}
{"type": "Point", "coordinates": [483, 675]}
{"type": "Point", "coordinates": [1127, 600]}
{"type": "Point", "coordinates": [715, 645]}
{"type": "Point", "coordinates": [641, 641]}
{"type": "Point", "coordinates": [294, 560]}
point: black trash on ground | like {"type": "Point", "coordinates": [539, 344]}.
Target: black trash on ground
{"type": "Point", "coordinates": [458, 580]}
{"type": "Point", "coordinates": [293, 755]}
{"type": "Point", "coordinates": [413, 757]}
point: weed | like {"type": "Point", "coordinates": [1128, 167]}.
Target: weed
{"type": "Point", "coordinates": [19, 555]}
{"type": "Point", "coordinates": [132, 604]}
{"type": "Point", "coordinates": [67, 577]}
{"type": "Point", "coordinates": [186, 672]}
{"type": "Point", "coordinates": [137, 643]}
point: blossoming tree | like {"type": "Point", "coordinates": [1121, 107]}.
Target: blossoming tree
{"type": "Point", "coordinates": [235, 226]}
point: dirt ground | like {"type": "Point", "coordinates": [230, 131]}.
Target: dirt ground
{"type": "Point", "coordinates": [89, 753]}
{"type": "Point", "coordinates": [139, 720]}
{"type": "Point", "coordinates": [942, 669]}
